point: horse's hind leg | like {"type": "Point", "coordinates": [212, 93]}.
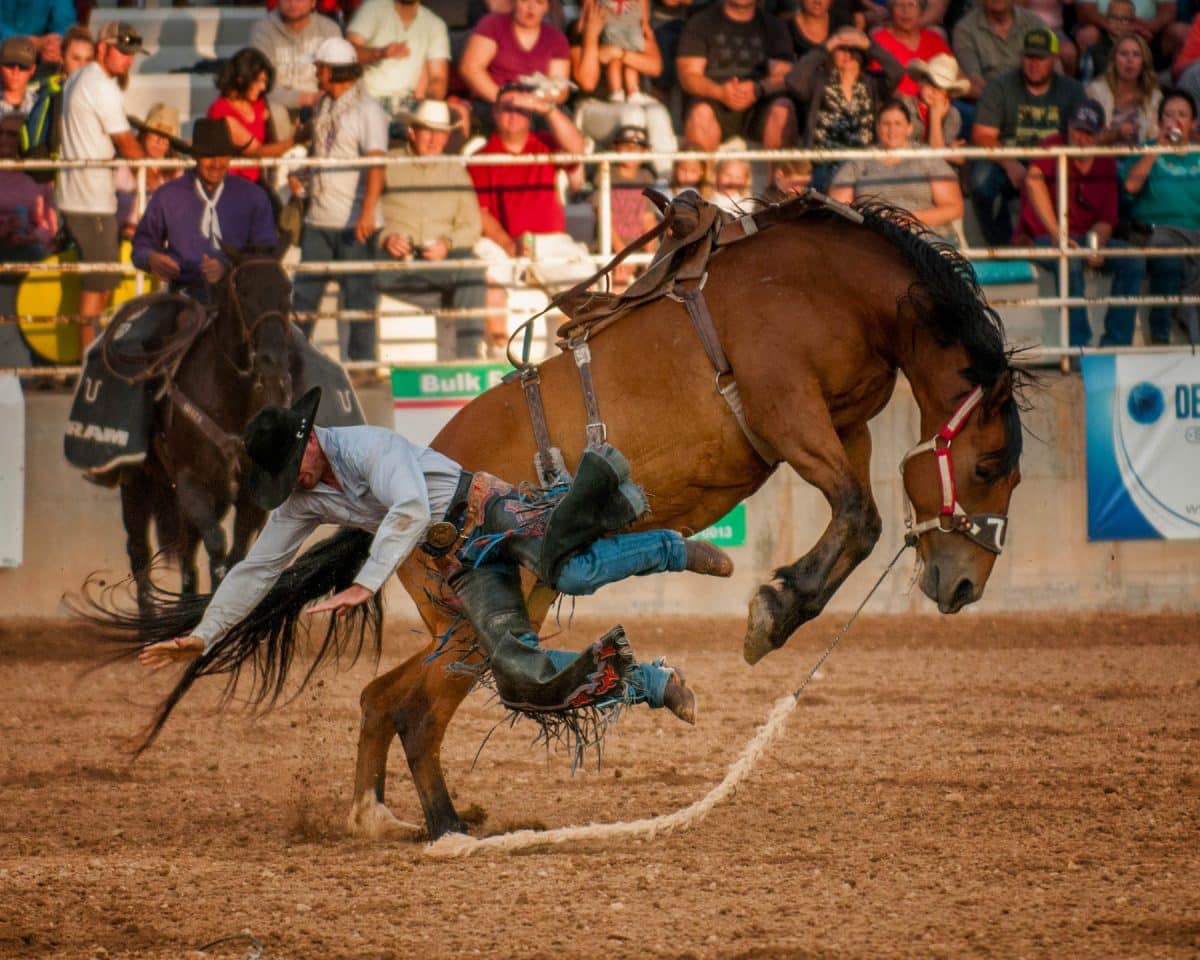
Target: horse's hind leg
{"type": "Point", "coordinates": [840, 468]}
{"type": "Point", "coordinates": [415, 702]}
{"type": "Point", "coordinates": [137, 493]}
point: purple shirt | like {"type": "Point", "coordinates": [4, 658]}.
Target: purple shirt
{"type": "Point", "coordinates": [171, 224]}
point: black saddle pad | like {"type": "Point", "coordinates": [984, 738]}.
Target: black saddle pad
{"type": "Point", "coordinates": [109, 424]}
{"type": "Point", "coordinates": [311, 368]}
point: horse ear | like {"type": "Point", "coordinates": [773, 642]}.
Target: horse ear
{"type": "Point", "coordinates": [1000, 393]}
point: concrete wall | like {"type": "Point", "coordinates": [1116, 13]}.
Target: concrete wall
{"type": "Point", "coordinates": [73, 528]}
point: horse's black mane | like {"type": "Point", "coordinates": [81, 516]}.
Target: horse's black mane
{"type": "Point", "coordinates": [949, 302]}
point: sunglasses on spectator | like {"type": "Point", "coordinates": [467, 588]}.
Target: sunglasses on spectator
{"type": "Point", "coordinates": [15, 66]}
{"type": "Point", "coordinates": [513, 108]}
{"type": "Point", "coordinates": [129, 39]}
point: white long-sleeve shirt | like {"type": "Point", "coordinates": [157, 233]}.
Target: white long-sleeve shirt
{"type": "Point", "coordinates": [389, 486]}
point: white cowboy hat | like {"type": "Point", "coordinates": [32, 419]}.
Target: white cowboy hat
{"type": "Point", "coordinates": [942, 71]}
{"type": "Point", "coordinates": [430, 114]}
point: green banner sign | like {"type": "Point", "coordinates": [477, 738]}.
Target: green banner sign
{"type": "Point", "coordinates": [460, 381]}
{"type": "Point", "coordinates": [729, 531]}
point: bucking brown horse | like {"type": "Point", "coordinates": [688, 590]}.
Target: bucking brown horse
{"type": "Point", "coordinates": [817, 309]}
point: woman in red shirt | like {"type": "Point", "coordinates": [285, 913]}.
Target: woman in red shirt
{"type": "Point", "coordinates": [244, 81]}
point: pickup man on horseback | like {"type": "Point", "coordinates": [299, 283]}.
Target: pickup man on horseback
{"type": "Point", "coordinates": [187, 220]}
{"type": "Point", "coordinates": [478, 530]}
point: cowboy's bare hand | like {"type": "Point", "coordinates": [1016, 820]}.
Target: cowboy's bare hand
{"type": "Point", "coordinates": [212, 269]}
{"type": "Point", "coordinates": [159, 655]}
{"type": "Point", "coordinates": [163, 266]}
{"type": "Point", "coordinates": [341, 603]}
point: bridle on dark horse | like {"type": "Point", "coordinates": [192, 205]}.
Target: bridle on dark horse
{"type": "Point", "coordinates": [984, 529]}
{"type": "Point", "coordinates": [248, 330]}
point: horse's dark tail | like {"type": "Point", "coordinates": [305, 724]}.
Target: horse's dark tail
{"type": "Point", "coordinates": [265, 642]}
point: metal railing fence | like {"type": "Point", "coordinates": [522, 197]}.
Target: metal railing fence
{"type": "Point", "coordinates": [1060, 251]}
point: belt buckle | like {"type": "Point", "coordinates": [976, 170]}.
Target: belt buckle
{"type": "Point", "coordinates": [442, 535]}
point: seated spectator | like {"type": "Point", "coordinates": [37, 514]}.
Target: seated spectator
{"type": "Point", "coordinates": [1118, 21]}
{"type": "Point", "coordinates": [989, 41]}
{"type": "Point", "coordinates": [598, 111]}
{"type": "Point", "coordinates": [44, 22]}
{"type": "Point", "coordinates": [691, 174]}
{"type": "Point", "coordinates": [289, 37]}
{"type": "Point", "coordinates": [28, 220]}
{"type": "Point", "coordinates": [732, 182]}
{"type": "Point", "coordinates": [156, 135]}
{"type": "Point", "coordinates": [244, 80]}
{"type": "Point", "coordinates": [632, 212]}
{"type": "Point", "coordinates": [1129, 93]}
{"type": "Point", "coordinates": [733, 60]}
{"type": "Point", "coordinates": [18, 60]}
{"type": "Point", "coordinates": [1050, 12]}
{"type": "Point", "coordinates": [94, 127]}
{"type": "Point", "coordinates": [1018, 108]}
{"type": "Point", "coordinates": [430, 215]}
{"type": "Point", "coordinates": [1166, 212]}
{"type": "Point", "coordinates": [938, 81]}
{"type": "Point", "coordinates": [1091, 209]}
{"type": "Point", "coordinates": [519, 206]}
{"type": "Point", "coordinates": [187, 222]}
{"type": "Point", "coordinates": [404, 48]}
{"type": "Point", "coordinates": [343, 206]}
{"type": "Point", "coordinates": [667, 18]}
{"type": "Point", "coordinates": [814, 21]}
{"type": "Point", "coordinates": [789, 178]}
{"type": "Point", "coordinates": [841, 95]}
{"type": "Point", "coordinates": [513, 48]}
{"type": "Point", "coordinates": [906, 40]}
{"type": "Point", "coordinates": [1153, 21]}
{"type": "Point", "coordinates": [625, 33]}
{"type": "Point", "coordinates": [927, 187]}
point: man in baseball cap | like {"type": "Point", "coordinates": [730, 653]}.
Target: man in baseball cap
{"type": "Point", "coordinates": [1040, 43]}
{"type": "Point", "coordinates": [121, 35]}
{"type": "Point", "coordinates": [18, 58]}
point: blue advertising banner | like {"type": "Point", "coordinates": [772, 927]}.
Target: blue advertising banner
{"type": "Point", "coordinates": [1143, 446]}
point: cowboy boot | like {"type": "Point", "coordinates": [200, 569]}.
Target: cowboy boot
{"type": "Point", "coordinates": [525, 675]}
{"type": "Point", "coordinates": [601, 499]}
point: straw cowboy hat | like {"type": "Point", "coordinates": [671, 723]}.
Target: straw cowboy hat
{"type": "Point", "coordinates": [942, 71]}
{"type": "Point", "coordinates": [162, 118]}
{"type": "Point", "coordinates": [275, 439]}
{"type": "Point", "coordinates": [430, 114]}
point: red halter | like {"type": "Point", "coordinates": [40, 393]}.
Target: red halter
{"type": "Point", "coordinates": [985, 529]}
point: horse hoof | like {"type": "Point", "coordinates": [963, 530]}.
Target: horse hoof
{"type": "Point", "coordinates": [374, 821]}
{"type": "Point", "coordinates": [760, 625]}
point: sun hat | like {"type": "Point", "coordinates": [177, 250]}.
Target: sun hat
{"type": "Point", "coordinates": [430, 114]}
{"type": "Point", "coordinates": [275, 439]}
{"type": "Point", "coordinates": [336, 52]}
{"type": "Point", "coordinates": [942, 71]}
{"type": "Point", "coordinates": [119, 34]}
{"type": "Point", "coordinates": [210, 138]}
{"type": "Point", "coordinates": [162, 118]}
{"type": "Point", "coordinates": [1041, 43]}
{"type": "Point", "coordinates": [1087, 116]}
{"type": "Point", "coordinates": [18, 52]}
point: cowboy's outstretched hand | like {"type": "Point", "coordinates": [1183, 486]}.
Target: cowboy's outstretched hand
{"type": "Point", "coordinates": [340, 603]}
{"type": "Point", "coordinates": [159, 655]}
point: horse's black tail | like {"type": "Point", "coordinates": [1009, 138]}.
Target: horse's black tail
{"type": "Point", "coordinates": [265, 642]}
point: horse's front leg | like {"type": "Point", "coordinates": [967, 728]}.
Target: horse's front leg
{"type": "Point", "coordinates": [248, 519]}
{"type": "Point", "coordinates": [200, 508]}
{"type": "Point", "coordinates": [840, 468]}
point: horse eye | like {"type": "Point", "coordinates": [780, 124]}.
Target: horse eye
{"type": "Point", "coordinates": [985, 473]}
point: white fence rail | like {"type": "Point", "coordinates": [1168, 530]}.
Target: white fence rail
{"type": "Point", "coordinates": [1062, 253]}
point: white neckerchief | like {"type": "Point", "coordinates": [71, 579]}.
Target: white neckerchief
{"type": "Point", "coordinates": [210, 224]}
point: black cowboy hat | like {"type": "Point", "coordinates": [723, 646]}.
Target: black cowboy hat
{"type": "Point", "coordinates": [210, 138]}
{"type": "Point", "coordinates": [275, 440]}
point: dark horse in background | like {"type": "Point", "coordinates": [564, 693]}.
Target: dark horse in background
{"type": "Point", "coordinates": [244, 354]}
{"type": "Point", "coordinates": [817, 315]}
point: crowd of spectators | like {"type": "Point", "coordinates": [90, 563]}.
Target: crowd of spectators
{"type": "Point", "coordinates": [342, 80]}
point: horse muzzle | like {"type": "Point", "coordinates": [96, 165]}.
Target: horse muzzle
{"type": "Point", "coordinates": [950, 586]}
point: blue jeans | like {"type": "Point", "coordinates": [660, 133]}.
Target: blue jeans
{"type": "Point", "coordinates": [625, 555]}
{"type": "Point", "coordinates": [991, 192]}
{"type": "Point", "coordinates": [462, 289]}
{"type": "Point", "coordinates": [648, 684]}
{"type": "Point", "coordinates": [1127, 274]}
{"type": "Point", "coordinates": [358, 289]}
{"type": "Point", "coordinates": [1171, 276]}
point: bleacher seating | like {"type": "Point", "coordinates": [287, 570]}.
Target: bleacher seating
{"type": "Point", "coordinates": [184, 36]}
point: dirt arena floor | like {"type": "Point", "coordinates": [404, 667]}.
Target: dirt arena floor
{"type": "Point", "coordinates": [970, 786]}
